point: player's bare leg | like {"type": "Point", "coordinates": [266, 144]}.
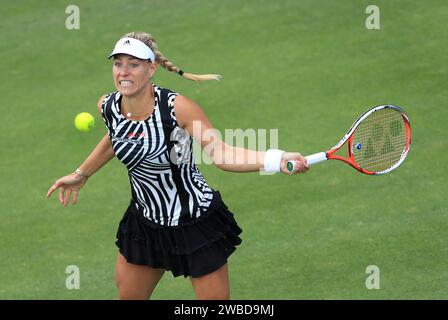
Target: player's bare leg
{"type": "Point", "coordinates": [135, 282]}
{"type": "Point", "coordinates": [213, 286]}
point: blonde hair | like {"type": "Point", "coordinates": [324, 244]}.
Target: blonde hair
{"type": "Point", "coordinates": [148, 39]}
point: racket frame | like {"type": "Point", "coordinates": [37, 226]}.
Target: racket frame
{"type": "Point", "coordinates": [349, 136]}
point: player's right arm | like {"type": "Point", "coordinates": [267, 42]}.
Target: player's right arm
{"type": "Point", "coordinates": [71, 183]}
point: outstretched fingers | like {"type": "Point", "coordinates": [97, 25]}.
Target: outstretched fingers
{"type": "Point", "coordinates": [67, 197]}
{"type": "Point", "coordinates": [74, 197]}
{"type": "Point", "coordinates": [52, 189]}
{"type": "Point", "coordinates": [61, 195]}
{"type": "Point", "coordinates": [64, 198]}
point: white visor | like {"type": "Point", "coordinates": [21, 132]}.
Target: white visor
{"type": "Point", "coordinates": [133, 47]}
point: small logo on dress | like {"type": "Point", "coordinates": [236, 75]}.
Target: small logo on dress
{"type": "Point", "coordinates": [127, 140]}
{"type": "Point", "coordinates": [136, 135]}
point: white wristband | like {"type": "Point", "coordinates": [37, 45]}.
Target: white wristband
{"type": "Point", "coordinates": [273, 160]}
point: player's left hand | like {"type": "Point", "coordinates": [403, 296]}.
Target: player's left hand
{"type": "Point", "coordinates": [300, 163]}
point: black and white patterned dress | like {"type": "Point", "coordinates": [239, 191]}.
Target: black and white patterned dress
{"type": "Point", "coordinates": [173, 210]}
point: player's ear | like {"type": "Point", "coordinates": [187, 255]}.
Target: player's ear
{"type": "Point", "coordinates": [152, 68]}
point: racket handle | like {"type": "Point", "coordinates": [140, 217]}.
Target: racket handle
{"type": "Point", "coordinates": [311, 159]}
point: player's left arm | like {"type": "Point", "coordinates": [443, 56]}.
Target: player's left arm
{"type": "Point", "coordinates": [192, 118]}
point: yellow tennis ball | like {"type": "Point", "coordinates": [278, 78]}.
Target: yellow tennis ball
{"type": "Point", "coordinates": [84, 122]}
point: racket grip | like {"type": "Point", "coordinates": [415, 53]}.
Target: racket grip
{"type": "Point", "coordinates": [311, 159]}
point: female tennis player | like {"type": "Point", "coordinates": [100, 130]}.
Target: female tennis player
{"type": "Point", "coordinates": [175, 221]}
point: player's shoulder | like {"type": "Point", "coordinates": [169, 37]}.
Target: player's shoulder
{"type": "Point", "coordinates": [103, 100]}
{"type": "Point", "coordinates": [184, 103]}
{"type": "Point", "coordinates": [100, 102]}
{"type": "Point", "coordinates": [187, 110]}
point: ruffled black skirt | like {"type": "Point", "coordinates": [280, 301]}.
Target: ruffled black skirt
{"type": "Point", "coordinates": [194, 249]}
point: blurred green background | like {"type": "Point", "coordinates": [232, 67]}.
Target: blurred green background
{"type": "Point", "coordinates": [307, 68]}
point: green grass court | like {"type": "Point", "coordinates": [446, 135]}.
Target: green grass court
{"type": "Point", "coordinates": [307, 68]}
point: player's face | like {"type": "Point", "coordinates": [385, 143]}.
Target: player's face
{"type": "Point", "coordinates": [131, 75]}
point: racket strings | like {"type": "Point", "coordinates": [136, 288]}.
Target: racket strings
{"type": "Point", "coordinates": [379, 141]}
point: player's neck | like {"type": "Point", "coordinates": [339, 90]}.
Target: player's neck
{"type": "Point", "coordinates": [138, 102]}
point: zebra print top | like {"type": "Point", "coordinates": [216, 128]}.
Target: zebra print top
{"type": "Point", "coordinates": [166, 185]}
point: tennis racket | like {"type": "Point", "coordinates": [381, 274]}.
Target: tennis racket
{"type": "Point", "coordinates": [378, 142]}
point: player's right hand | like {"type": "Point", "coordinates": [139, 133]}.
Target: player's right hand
{"type": "Point", "coordinates": [70, 183]}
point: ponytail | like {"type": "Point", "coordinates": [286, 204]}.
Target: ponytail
{"type": "Point", "coordinates": [164, 62]}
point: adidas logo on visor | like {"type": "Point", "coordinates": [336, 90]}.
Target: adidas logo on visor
{"type": "Point", "coordinates": [133, 47]}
